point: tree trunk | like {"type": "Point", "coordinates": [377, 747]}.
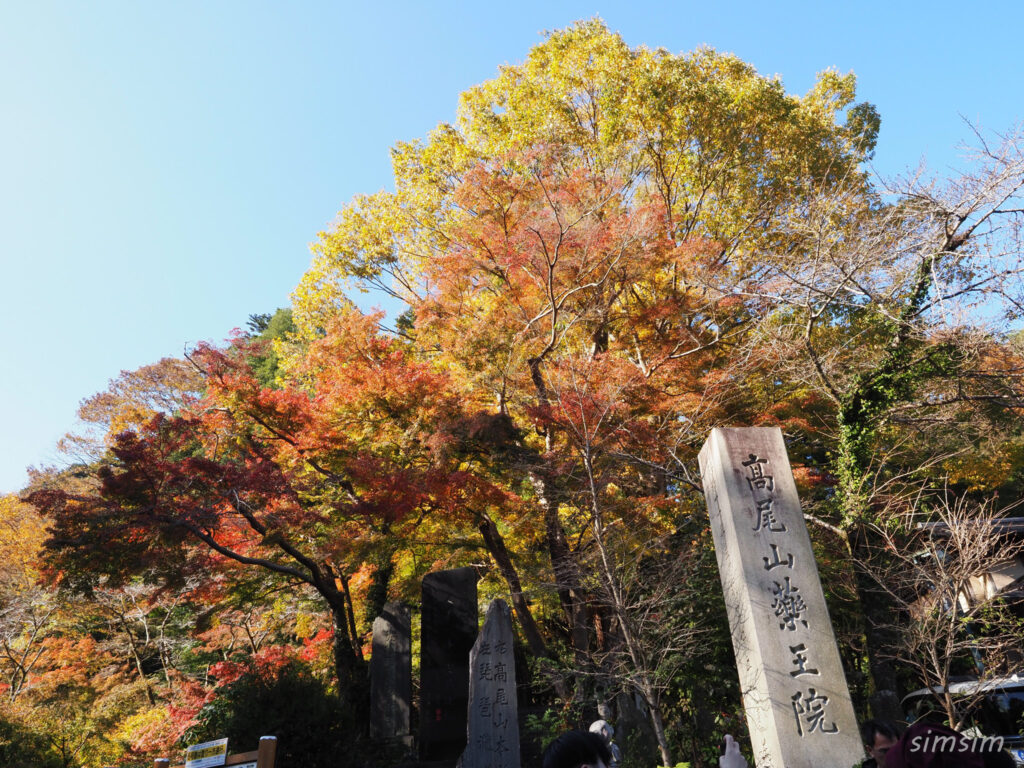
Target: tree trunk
{"type": "Point", "coordinates": [654, 703]}
{"type": "Point", "coordinates": [353, 687]}
{"type": "Point", "coordinates": [377, 594]}
{"type": "Point", "coordinates": [567, 582]}
{"type": "Point", "coordinates": [570, 595]}
{"type": "Point", "coordinates": [566, 579]}
{"type": "Point", "coordinates": [877, 612]}
{"type": "Point", "coordinates": [346, 662]}
{"type": "Point", "coordinates": [133, 648]}
{"type": "Point", "coordinates": [862, 411]}
{"type": "Point", "coordinates": [496, 546]}
{"type": "Point", "coordinates": [350, 615]}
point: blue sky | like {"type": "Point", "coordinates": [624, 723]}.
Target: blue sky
{"type": "Point", "coordinates": [163, 166]}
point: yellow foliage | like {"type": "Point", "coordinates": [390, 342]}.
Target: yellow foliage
{"type": "Point", "coordinates": [703, 132]}
{"type": "Point", "coordinates": [22, 532]}
{"type": "Point", "coordinates": [986, 468]}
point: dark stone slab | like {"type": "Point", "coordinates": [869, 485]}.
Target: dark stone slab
{"type": "Point", "coordinates": [391, 675]}
{"type": "Point", "coordinates": [448, 629]}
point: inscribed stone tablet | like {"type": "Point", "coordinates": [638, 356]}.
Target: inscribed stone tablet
{"type": "Point", "coordinates": [493, 729]}
{"type": "Point", "coordinates": [794, 690]}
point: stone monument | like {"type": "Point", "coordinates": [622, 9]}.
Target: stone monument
{"type": "Point", "coordinates": [391, 675]}
{"type": "Point", "coordinates": [794, 691]}
{"type": "Point", "coordinates": [493, 730]}
{"type": "Point", "coordinates": [448, 629]}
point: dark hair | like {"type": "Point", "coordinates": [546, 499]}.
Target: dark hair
{"type": "Point", "coordinates": [871, 728]}
{"type": "Point", "coordinates": [575, 748]}
{"type": "Point", "coordinates": [998, 758]}
{"type": "Point", "coordinates": [926, 745]}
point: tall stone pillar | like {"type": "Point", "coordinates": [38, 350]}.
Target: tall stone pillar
{"type": "Point", "coordinates": [448, 630]}
{"type": "Point", "coordinates": [794, 691]}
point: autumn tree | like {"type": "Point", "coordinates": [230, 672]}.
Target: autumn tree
{"type": "Point", "coordinates": [888, 329]}
{"type": "Point", "coordinates": [310, 480]}
{"type": "Point", "coordinates": [142, 624]}
{"type": "Point", "coordinates": [611, 251]}
{"type": "Point", "coordinates": [28, 611]}
{"type": "Point", "coordinates": [271, 332]}
{"type": "Point", "coordinates": [129, 402]}
{"type": "Point", "coordinates": [951, 619]}
{"type": "Point", "coordinates": [62, 691]}
{"type": "Point", "coordinates": [559, 238]}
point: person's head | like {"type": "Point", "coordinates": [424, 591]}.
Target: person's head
{"type": "Point", "coordinates": [879, 736]}
{"type": "Point", "coordinates": [576, 749]}
{"type": "Point", "coordinates": [603, 728]}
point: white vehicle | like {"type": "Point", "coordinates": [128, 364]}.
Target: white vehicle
{"type": "Point", "coordinates": [997, 709]}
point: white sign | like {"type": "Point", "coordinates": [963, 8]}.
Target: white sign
{"type": "Point", "coordinates": [206, 755]}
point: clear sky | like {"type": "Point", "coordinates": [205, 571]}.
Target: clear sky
{"type": "Point", "coordinates": [163, 166]}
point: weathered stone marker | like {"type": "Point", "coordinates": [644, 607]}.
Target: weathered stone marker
{"type": "Point", "coordinates": [493, 732]}
{"type": "Point", "coordinates": [794, 691]}
{"type": "Point", "coordinates": [391, 675]}
{"type": "Point", "coordinates": [447, 631]}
